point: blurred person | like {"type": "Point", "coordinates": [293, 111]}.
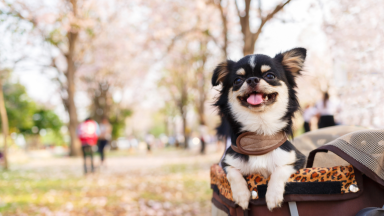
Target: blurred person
{"type": "Point", "coordinates": [325, 112]}
{"type": "Point", "coordinates": [104, 138]}
{"type": "Point", "coordinates": [171, 141]}
{"type": "Point", "coordinates": [1, 158]}
{"type": "Point", "coordinates": [308, 113]}
{"type": "Point", "coordinates": [88, 132]}
{"type": "Point", "coordinates": [203, 132]}
{"type": "Point", "coordinates": [149, 140]}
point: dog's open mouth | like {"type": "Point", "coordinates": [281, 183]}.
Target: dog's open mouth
{"type": "Point", "coordinates": [257, 98]}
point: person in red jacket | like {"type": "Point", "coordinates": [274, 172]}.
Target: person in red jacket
{"type": "Point", "coordinates": [88, 132]}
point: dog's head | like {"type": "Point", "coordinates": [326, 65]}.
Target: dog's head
{"type": "Point", "coordinates": [258, 93]}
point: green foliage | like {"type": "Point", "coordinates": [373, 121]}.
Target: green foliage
{"type": "Point", "coordinates": [117, 121]}
{"type": "Point", "coordinates": [90, 32]}
{"type": "Point", "coordinates": [43, 119]}
{"type": "Point", "coordinates": [48, 120]}
{"type": "Point", "coordinates": [157, 130]}
{"type": "Point", "coordinates": [20, 108]}
{"type": "Point", "coordinates": [159, 124]}
{"type": "Point", "coordinates": [53, 137]}
{"type": "Point", "coordinates": [55, 37]}
{"type": "Point", "coordinates": [25, 117]}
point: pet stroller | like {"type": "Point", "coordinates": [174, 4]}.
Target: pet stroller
{"type": "Point", "coordinates": [345, 178]}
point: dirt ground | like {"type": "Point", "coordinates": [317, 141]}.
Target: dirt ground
{"type": "Point", "coordinates": [164, 182]}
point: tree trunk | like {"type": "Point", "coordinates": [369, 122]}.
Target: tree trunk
{"type": "Point", "coordinates": [102, 101]}
{"type": "Point", "coordinates": [4, 123]}
{"type": "Point", "coordinates": [223, 16]}
{"type": "Point", "coordinates": [201, 111]}
{"type": "Point", "coordinates": [201, 98]}
{"type": "Point", "coordinates": [250, 38]}
{"type": "Point", "coordinates": [72, 112]}
{"type": "Point", "coordinates": [69, 89]}
{"type": "Point", "coordinates": [185, 132]}
{"type": "Point", "coordinates": [249, 45]}
{"type": "Point", "coordinates": [183, 111]}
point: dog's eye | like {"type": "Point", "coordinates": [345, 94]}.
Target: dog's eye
{"type": "Point", "coordinates": [238, 81]}
{"type": "Point", "coordinates": [270, 76]}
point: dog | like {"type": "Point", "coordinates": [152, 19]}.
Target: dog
{"type": "Point", "coordinates": [258, 95]}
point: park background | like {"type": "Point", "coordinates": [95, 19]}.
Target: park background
{"type": "Point", "coordinates": [146, 65]}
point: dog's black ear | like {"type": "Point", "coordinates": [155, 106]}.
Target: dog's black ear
{"type": "Point", "coordinates": [220, 74]}
{"type": "Point", "coordinates": [292, 60]}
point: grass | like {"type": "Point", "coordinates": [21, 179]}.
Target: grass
{"type": "Point", "coordinates": [181, 188]}
{"type": "Point", "coordinates": [25, 190]}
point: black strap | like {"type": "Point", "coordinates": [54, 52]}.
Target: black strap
{"type": "Point", "coordinates": [356, 164]}
{"type": "Point", "coordinates": [311, 156]}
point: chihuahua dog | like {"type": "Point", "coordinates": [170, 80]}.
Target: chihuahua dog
{"type": "Point", "coordinates": [258, 96]}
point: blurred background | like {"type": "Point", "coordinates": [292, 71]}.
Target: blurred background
{"type": "Point", "coordinates": [145, 67]}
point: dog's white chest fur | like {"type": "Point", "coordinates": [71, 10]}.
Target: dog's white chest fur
{"type": "Point", "coordinates": [277, 164]}
{"type": "Point", "coordinates": [263, 164]}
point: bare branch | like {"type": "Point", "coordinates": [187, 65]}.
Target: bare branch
{"type": "Point", "coordinates": [179, 36]}
{"type": "Point", "coordinates": [223, 16]}
{"type": "Point", "coordinates": [275, 11]}
{"type": "Point", "coordinates": [259, 8]}
{"type": "Point", "coordinates": [74, 7]}
{"type": "Point", "coordinates": [264, 20]}
{"type": "Point", "coordinates": [244, 20]}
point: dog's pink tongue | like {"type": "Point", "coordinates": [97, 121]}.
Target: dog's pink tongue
{"type": "Point", "coordinates": [255, 99]}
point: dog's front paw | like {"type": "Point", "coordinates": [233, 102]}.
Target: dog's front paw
{"type": "Point", "coordinates": [241, 196]}
{"type": "Point", "coordinates": [274, 197]}
{"type": "Point", "coordinates": [239, 187]}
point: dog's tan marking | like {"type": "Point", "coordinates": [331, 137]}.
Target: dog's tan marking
{"type": "Point", "coordinates": [266, 88]}
{"type": "Point", "coordinates": [223, 71]}
{"type": "Point", "coordinates": [265, 68]}
{"type": "Point", "coordinates": [293, 61]}
{"type": "Point", "coordinates": [240, 72]}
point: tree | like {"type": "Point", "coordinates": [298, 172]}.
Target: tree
{"type": "Point", "coordinates": [244, 9]}
{"type": "Point", "coordinates": [105, 70]}
{"type": "Point", "coordinates": [25, 116]}
{"type": "Point", "coordinates": [178, 87]}
{"type": "Point", "coordinates": [44, 118]}
{"type": "Point", "coordinates": [250, 37]}
{"type": "Point", "coordinates": [200, 85]}
{"type": "Point", "coordinates": [194, 47]}
{"type": "Point", "coordinates": [117, 119]}
{"type": "Point", "coordinates": [223, 7]}
{"type": "Point", "coordinates": [71, 22]}
{"type": "Point", "coordinates": [4, 121]}
{"type": "Point", "coordinates": [20, 108]}
{"type": "Point", "coordinates": [187, 78]}
{"type": "Point", "coordinates": [353, 29]}
{"type": "Point", "coordinates": [72, 36]}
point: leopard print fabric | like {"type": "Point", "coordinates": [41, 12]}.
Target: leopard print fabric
{"type": "Point", "coordinates": [343, 174]}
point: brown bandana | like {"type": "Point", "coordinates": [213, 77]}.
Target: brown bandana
{"type": "Point", "coordinates": [250, 143]}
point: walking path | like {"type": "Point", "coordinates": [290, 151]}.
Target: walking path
{"type": "Point", "coordinates": [166, 182]}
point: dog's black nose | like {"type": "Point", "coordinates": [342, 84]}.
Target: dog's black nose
{"type": "Point", "coordinates": [252, 81]}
